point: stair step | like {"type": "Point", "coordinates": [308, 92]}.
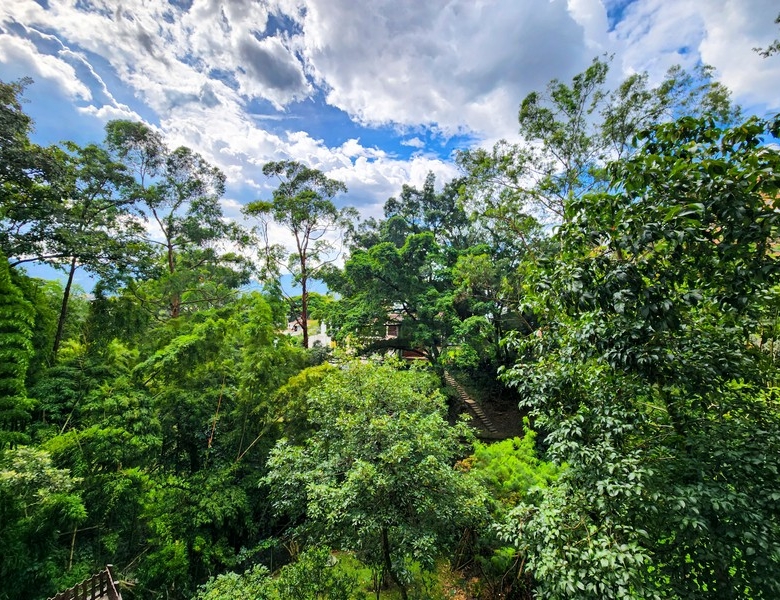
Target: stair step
{"type": "Point", "coordinates": [471, 404]}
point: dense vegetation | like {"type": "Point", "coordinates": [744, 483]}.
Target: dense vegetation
{"type": "Point", "coordinates": [616, 275]}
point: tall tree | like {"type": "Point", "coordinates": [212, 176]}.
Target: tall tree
{"type": "Point", "coordinates": [302, 204]}
{"type": "Point", "coordinates": [180, 193]}
{"type": "Point", "coordinates": [569, 134]}
{"type": "Point", "coordinates": [81, 221]}
{"type": "Point", "coordinates": [61, 205]}
{"type": "Point", "coordinates": [97, 228]}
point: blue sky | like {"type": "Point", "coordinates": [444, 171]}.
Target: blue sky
{"type": "Point", "coordinates": [376, 93]}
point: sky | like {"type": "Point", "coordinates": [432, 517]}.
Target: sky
{"type": "Point", "coordinates": [375, 93]}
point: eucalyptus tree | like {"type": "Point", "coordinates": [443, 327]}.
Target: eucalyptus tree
{"type": "Point", "coordinates": [180, 193]}
{"type": "Point", "coordinates": [302, 204]}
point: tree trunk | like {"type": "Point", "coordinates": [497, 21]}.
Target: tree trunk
{"type": "Point", "coordinates": [175, 297]}
{"type": "Point", "coordinates": [305, 309]}
{"type": "Point", "coordinates": [389, 565]}
{"type": "Point", "coordinates": [64, 308]}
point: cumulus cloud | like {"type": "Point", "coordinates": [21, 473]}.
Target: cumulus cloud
{"type": "Point", "coordinates": [28, 62]}
{"type": "Point", "coordinates": [268, 69]}
{"type": "Point", "coordinates": [655, 34]}
{"type": "Point", "coordinates": [107, 113]}
{"type": "Point", "coordinates": [459, 65]}
{"type": "Point", "coordinates": [227, 77]}
{"type": "Point", "coordinates": [414, 142]}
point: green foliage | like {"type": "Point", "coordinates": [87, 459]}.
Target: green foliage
{"type": "Point", "coordinates": [253, 583]}
{"type": "Point", "coordinates": [314, 575]}
{"type": "Point", "coordinates": [44, 296]}
{"type": "Point", "coordinates": [640, 334]}
{"type": "Point", "coordinates": [179, 191]}
{"type": "Point", "coordinates": [645, 376]}
{"type": "Point", "coordinates": [37, 502]}
{"type": "Point", "coordinates": [317, 308]}
{"type": "Point", "coordinates": [375, 477]}
{"type": "Point", "coordinates": [15, 128]}
{"type": "Point", "coordinates": [512, 474]}
{"type": "Point", "coordinates": [16, 350]}
{"type": "Point", "coordinates": [408, 286]}
{"type": "Point", "coordinates": [29, 176]}
{"type": "Point", "coordinates": [303, 205]}
{"type": "Point", "coordinates": [570, 132]}
{"type": "Point", "coordinates": [424, 272]}
{"type": "Point", "coordinates": [510, 469]}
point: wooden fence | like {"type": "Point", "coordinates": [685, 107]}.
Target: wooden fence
{"type": "Point", "coordinates": [98, 587]}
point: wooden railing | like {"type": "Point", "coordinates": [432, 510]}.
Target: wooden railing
{"type": "Point", "coordinates": [98, 587]}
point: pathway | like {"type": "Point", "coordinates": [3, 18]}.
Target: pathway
{"type": "Point", "coordinates": [475, 408]}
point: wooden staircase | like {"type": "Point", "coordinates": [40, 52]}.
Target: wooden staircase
{"type": "Point", "coordinates": [471, 404]}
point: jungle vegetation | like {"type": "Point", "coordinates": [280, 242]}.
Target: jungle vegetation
{"type": "Point", "coordinates": [616, 275]}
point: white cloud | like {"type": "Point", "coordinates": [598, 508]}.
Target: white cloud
{"type": "Point", "coordinates": [27, 61]}
{"type": "Point", "coordinates": [107, 112]}
{"type": "Point", "coordinates": [460, 64]}
{"type": "Point", "coordinates": [592, 16]}
{"type": "Point", "coordinates": [414, 142]}
{"type": "Point", "coordinates": [269, 70]}
{"type": "Point", "coordinates": [454, 66]}
{"type": "Point", "coordinates": [658, 34]}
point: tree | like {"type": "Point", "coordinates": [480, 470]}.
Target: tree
{"type": "Point", "coordinates": [95, 228]}
{"type": "Point", "coordinates": [302, 204]}
{"type": "Point", "coordinates": [569, 134]}
{"type": "Point", "coordinates": [401, 274]}
{"type": "Point", "coordinates": [36, 501]}
{"type": "Point", "coordinates": [29, 179]}
{"type": "Point", "coordinates": [375, 476]}
{"type": "Point", "coordinates": [80, 221]}
{"type": "Point", "coordinates": [512, 472]}
{"type": "Point", "coordinates": [15, 128]}
{"type": "Point", "coordinates": [409, 287]}
{"type": "Point", "coordinates": [649, 374]}
{"type": "Point", "coordinates": [180, 192]}
{"type": "Point", "coordinates": [169, 435]}
{"type": "Point", "coordinates": [16, 332]}
{"type": "Point", "coordinates": [310, 577]}
{"type": "Point", "coordinates": [417, 211]}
